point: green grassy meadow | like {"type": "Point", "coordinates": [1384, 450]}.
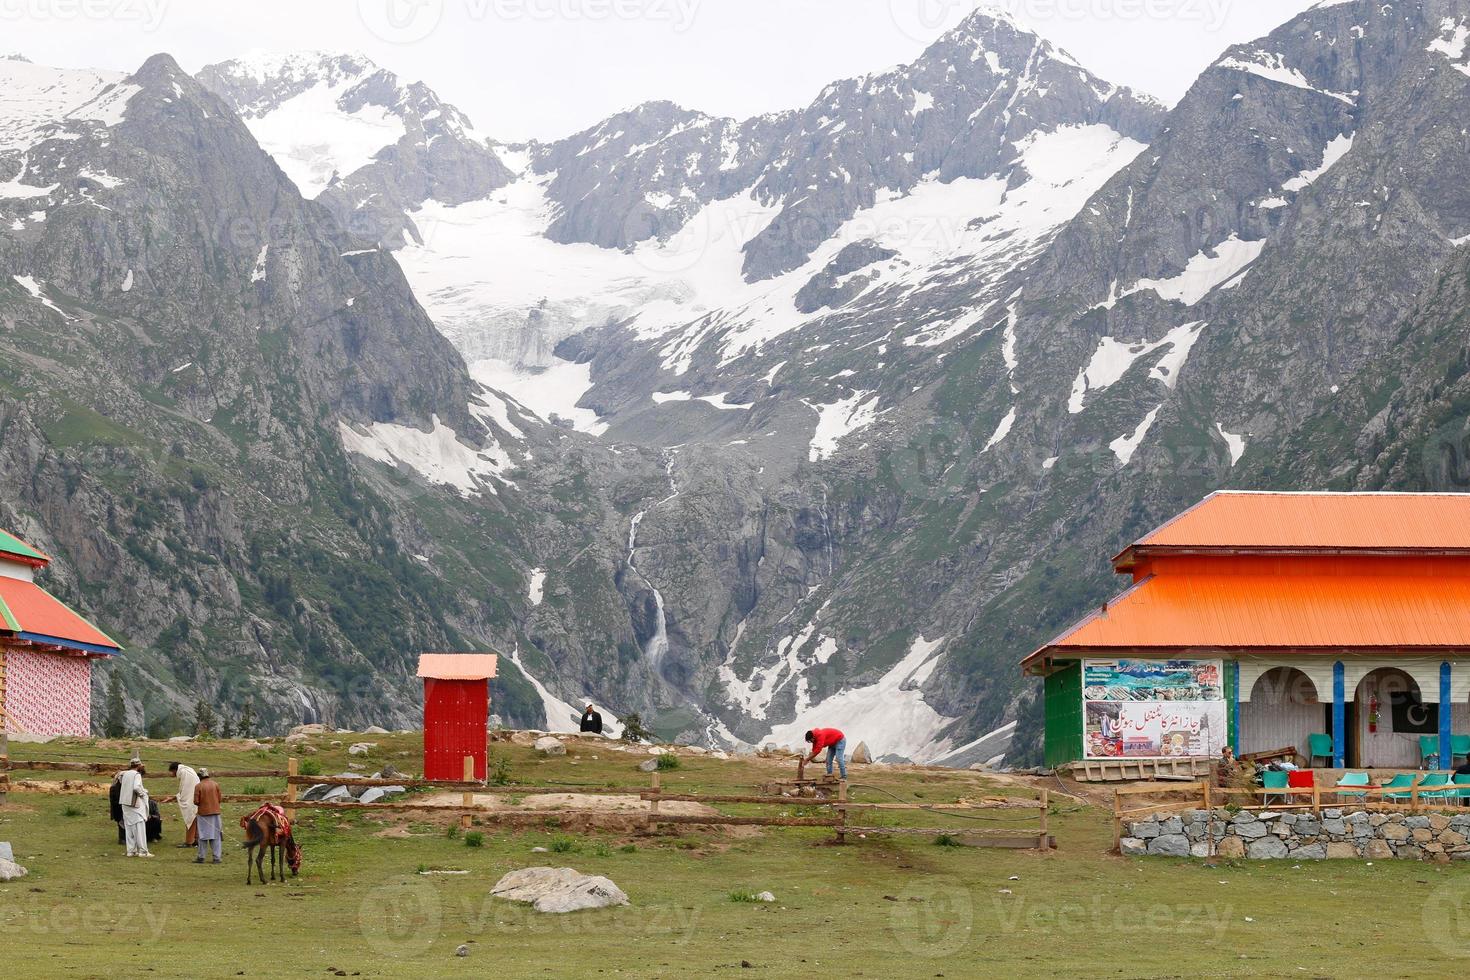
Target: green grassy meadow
{"type": "Point", "coordinates": [373, 899]}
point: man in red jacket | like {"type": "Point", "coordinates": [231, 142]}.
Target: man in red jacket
{"type": "Point", "coordinates": [834, 742]}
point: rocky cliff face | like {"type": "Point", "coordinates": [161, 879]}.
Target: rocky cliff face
{"type": "Point", "coordinates": [828, 416]}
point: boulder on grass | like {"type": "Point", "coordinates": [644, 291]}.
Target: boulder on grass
{"type": "Point", "coordinates": [558, 890]}
{"type": "Point", "coordinates": [361, 748]}
{"type": "Point", "coordinates": [861, 753]}
{"type": "Point", "coordinates": [648, 765]}
{"type": "Point", "coordinates": [10, 871]}
{"type": "Point", "coordinates": [546, 745]}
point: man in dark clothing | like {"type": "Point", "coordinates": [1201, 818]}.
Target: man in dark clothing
{"type": "Point", "coordinates": [114, 807]}
{"type": "Point", "coordinates": [592, 721]}
{"type": "Point", "coordinates": [1463, 770]}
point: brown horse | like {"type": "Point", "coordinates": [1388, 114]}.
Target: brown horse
{"type": "Point", "coordinates": [268, 829]}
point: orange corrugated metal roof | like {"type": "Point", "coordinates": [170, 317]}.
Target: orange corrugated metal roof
{"type": "Point", "coordinates": [457, 666]}
{"type": "Point", "coordinates": [1386, 521]}
{"type": "Point", "coordinates": [1396, 606]}
{"type": "Point", "coordinates": [32, 613]}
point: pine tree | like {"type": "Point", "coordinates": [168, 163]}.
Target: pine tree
{"type": "Point", "coordinates": [245, 725]}
{"type": "Point", "coordinates": [203, 718]}
{"type": "Point", "coordinates": [115, 724]}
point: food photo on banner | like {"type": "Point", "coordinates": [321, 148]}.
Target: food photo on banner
{"type": "Point", "coordinates": [1153, 708]}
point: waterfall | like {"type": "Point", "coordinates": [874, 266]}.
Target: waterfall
{"type": "Point", "coordinates": [657, 647]}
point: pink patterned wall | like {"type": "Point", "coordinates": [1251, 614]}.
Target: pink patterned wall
{"type": "Point", "coordinates": [47, 693]}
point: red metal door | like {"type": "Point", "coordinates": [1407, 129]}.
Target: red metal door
{"type": "Point", "coordinates": [455, 716]}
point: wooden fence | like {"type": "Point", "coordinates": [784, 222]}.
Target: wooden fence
{"type": "Point", "coordinates": [846, 816]}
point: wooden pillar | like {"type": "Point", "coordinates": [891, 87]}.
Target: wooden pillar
{"type": "Point", "coordinates": [468, 796]}
{"type": "Point", "coordinates": [653, 800]}
{"type": "Point", "coordinates": [1117, 822]}
{"type": "Point", "coordinates": [842, 812]}
{"type": "Point", "coordinates": [293, 768]}
{"type": "Point", "coordinates": [1044, 803]}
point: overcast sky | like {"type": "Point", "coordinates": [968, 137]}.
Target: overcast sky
{"type": "Point", "coordinates": [546, 68]}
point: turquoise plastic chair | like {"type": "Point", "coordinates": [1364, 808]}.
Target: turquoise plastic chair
{"type": "Point", "coordinates": [1462, 780]}
{"type": "Point", "coordinates": [1435, 779]}
{"type": "Point", "coordinates": [1460, 746]}
{"type": "Point", "coordinates": [1320, 746]}
{"type": "Point", "coordinates": [1400, 780]}
{"type": "Point", "coordinates": [1428, 746]}
{"type": "Point", "coordinates": [1352, 779]}
{"type": "Point", "coordinates": [1274, 779]}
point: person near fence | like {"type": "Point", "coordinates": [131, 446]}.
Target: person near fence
{"type": "Point", "coordinates": [592, 721]}
{"type": "Point", "coordinates": [133, 798]}
{"type": "Point", "coordinates": [188, 812]}
{"type": "Point", "coordinates": [834, 742]}
{"type": "Point", "coordinates": [210, 831]}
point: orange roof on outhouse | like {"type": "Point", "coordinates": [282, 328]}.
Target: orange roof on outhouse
{"type": "Point", "coordinates": [457, 666]}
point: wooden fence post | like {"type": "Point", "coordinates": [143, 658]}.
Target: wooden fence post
{"type": "Point", "coordinates": [292, 769]}
{"type": "Point", "coordinates": [468, 796]}
{"type": "Point", "coordinates": [842, 812]}
{"type": "Point", "coordinates": [1117, 822]}
{"type": "Point", "coordinates": [653, 799]}
{"type": "Point", "coordinates": [1316, 800]}
{"type": "Point", "coordinates": [1045, 805]}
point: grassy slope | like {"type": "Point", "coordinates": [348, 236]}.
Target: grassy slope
{"type": "Point", "coordinates": [876, 909]}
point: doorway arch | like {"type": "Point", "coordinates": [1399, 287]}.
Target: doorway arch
{"type": "Point", "coordinates": [1386, 748]}
{"type": "Point", "coordinates": [1282, 709]}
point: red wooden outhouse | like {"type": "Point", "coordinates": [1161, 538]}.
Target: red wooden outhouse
{"type": "Point", "coordinates": [456, 712]}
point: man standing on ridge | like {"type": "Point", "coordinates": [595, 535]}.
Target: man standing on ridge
{"type": "Point", "coordinates": [591, 721]}
{"type": "Point", "coordinates": [834, 742]}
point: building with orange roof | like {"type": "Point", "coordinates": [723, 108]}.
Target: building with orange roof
{"type": "Point", "coordinates": [1258, 620]}
{"type": "Point", "coordinates": [46, 651]}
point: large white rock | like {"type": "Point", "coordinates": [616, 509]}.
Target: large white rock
{"type": "Point", "coordinates": [10, 871]}
{"type": "Point", "coordinates": [361, 748]}
{"type": "Point", "coordinates": [861, 754]}
{"type": "Point", "coordinates": [557, 890]}
{"type": "Point", "coordinates": [547, 745]}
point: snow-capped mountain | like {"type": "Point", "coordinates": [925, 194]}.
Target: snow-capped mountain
{"type": "Point", "coordinates": [869, 389]}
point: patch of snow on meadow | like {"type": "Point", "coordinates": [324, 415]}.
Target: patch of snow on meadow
{"type": "Point", "coordinates": [438, 455]}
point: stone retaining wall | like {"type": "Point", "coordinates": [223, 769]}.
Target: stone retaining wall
{"type": "Point", "coordinates": [1301, 835]}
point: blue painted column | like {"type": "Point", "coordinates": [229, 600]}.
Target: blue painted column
{"type": "Point", "coordinates": [1446, 703]}
{"type": "Point", "coordinates": [1339, 718]}
{"type": "Point", "coordinates": [1235, 736]}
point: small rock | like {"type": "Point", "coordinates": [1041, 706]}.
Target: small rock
{"type": "Point", "coordinates": [539, 850]}
{"type": "Point", "coordinates": [463, 950]}
{"type": "Point", "coordinates": [361, 748]}
{"type": "Point", "coordinates": [765, 897]}
{"type": "Point", "coordinates": [375, 730]}
{"type": "Point", "coordinates": [1014, 878]}
{"type": "Point", "coordinates": [548, 746]}
{"type": "Point", "coordinates": [648, 765]}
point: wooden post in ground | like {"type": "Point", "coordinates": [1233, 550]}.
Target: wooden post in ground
{"type": "Point", "coordinates": [1316, 800]}
{"type": "Point", "coordinates": [1117, 822]}
{"type": "Point", "coordinates": [653, 799]}
{"type": "Point", "coordinates": [801, 769]}
{"type": "Point", "coordinates": [842, 812]}
{"type": "Point", "coordinates": [1044, 803]}
{"type": "Point", "coordinates": [467, 798]}
{"type": "Point", "coordinates": [292, 769]}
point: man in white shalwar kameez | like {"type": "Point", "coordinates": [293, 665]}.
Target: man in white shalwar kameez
{"type": "Point", "coordinates": [188, 779]}
{"type": "Point", "coordinates": [133, 797]}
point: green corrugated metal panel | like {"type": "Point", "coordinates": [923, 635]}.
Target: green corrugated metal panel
{"type": "Point", "coordinates": [1062, 697]}
{"type": "Point", "coordinates": [1232, 677]}
{"type": "Point", "coordinates": [11, 545]}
